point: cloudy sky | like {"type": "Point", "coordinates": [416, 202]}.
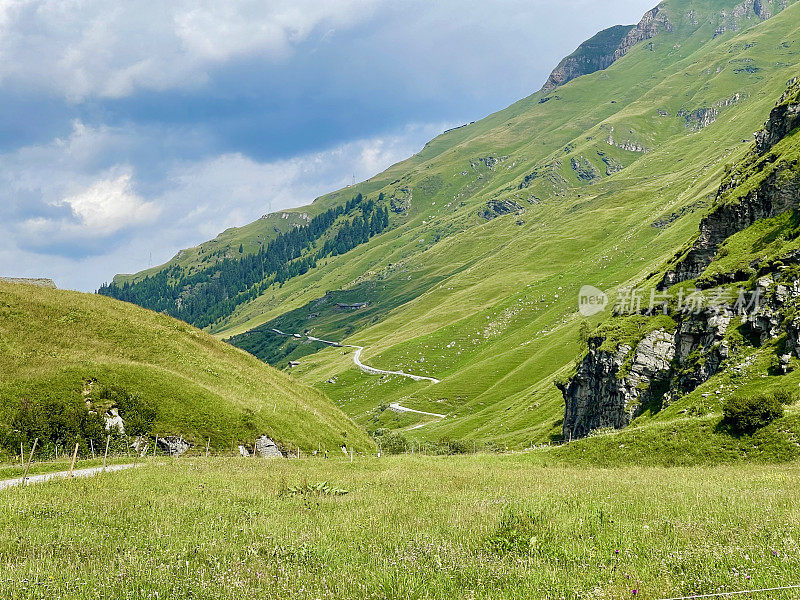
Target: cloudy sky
{"type": "Point", "coordinates": [130, 130]}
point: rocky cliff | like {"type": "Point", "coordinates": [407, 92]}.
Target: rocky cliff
{"type": "Point", "coordinates": [612, 386]}
{"type": "Point", "coordinates": [593, 55]}
{"type": "Point", "coordinates": [653, 22]}
{"type": "Point", "coordinates": [599, 395]}
{"type": "Point", "coordinates": [608, 46]}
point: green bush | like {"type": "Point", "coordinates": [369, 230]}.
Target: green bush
{"type": "Point", "coordinates": [746, 414]}
{"type": "Point", "coordinates": [785, 397]}
{"type": "Point", "coordinates": [137, 414]}
{"type": "Point", "coordinates": [393, 443]}
{"type": "Point", "coordinates": [55, 420]}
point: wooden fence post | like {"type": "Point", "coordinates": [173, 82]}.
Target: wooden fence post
{"type": "Point", "coordinates": [74, 456]}
{"type": "Point", "coordinates": [208, 446]}
{"type": "Point", "coordinates": [105, 456]}
{"type": "Point", "coordinates": [91, 443]}
{"type": "Point", "coordinates": [27, 468]}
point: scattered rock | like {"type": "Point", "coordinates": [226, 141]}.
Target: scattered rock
{"type": "Point", "coordinates": [114, 422]}
{"type": "Point", "coordinates": [173, 445]}
{"type": "Point", "coordinates": [496, 208]}
{"type": "Point", "coordinates": [266, 448]}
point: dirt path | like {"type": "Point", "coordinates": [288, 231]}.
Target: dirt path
{"type": "Point", "coordinates": [402, 409]}
{"type": "Point", "coordinates": [395, 406]}
{"type": "Point", "coordinates": [7, 483]}
{"type": "Point", "coordinates": [362, 366]}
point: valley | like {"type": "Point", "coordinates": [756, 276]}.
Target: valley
{"type": "Point", "coordinates": [553, 354]}
{"type": "Point", "coordinates": [495, 226]}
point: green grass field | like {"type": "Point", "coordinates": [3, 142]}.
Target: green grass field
{"type": "Point", "coordinates": [526, 525]}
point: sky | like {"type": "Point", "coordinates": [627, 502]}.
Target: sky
{"type": "Point", "coordinates": [130, 130]}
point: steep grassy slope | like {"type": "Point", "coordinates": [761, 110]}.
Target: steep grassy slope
{"type": "Point", "coordinates": [496, 225]}
{"type": "Point", "coordinates": [731, 332]}
{"type": "Point", "coordinates": [53, 342]}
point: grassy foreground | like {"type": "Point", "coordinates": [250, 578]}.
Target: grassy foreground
{"type": "Point", "coordinates": [409, 527]}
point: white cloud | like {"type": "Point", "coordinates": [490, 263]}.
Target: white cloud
{"type": "Point", "coordinates": [65, 214]}
{"type": "Point", "coordinates": [108, 205]}
{"type": "Point", "coordinates": [105, 48]}
{"type": "Point", "coordinates": [232, 189]}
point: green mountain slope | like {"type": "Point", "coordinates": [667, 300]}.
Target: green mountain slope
{"type": "Point", "coordinates": [495, 226]}
{"type": "Point", "coordinates": [55, 345]}
{"type": "Point", "coordinates": [724, 339]}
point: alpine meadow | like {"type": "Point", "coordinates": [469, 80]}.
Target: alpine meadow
{"type": "Point", "coordinates": [553, 354]}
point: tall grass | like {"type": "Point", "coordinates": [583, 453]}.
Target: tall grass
{"type": "Point", "coordinates": [408, 527]}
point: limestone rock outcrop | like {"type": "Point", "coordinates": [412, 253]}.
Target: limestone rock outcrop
{"type": "Point", "coordinates": [611, 388]}
{"type": "Point", "coordinates": [266, 448]}
{"type": "Point", "coordinates": [601, 396]}
{"type": "Point", "coordinates": [776, 193]}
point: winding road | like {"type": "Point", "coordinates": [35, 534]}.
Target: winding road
{"type": "Point", "coordinates": [362, 366]}
{"type": "Point", "coordinates": [395, 406]}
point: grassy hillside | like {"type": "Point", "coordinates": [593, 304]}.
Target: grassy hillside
{"type": "Point", "coordinates": [495, 226]}
{"type": "Point", "coordinates": [55, 344]}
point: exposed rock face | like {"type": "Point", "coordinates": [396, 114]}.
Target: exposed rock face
{"type": "Point", "coordinates": [400, 201]}
{"type": "Point", "coordinates": [663, 366]}
{"type": "Point", "coordinates": [608, 46]}
{"type": "Point", "coordinates": [173, 445]}
{"type": "Point", "coordinates": [771, 198]}
{"type": "Point", "coordinates": [266, 448]}
{"type": "Point", "coordinates": [653, 22]}
{"type": "Point", "coordinates": [760, 10]}
{"type": "Point", "coordinates": [593, 55]}
{"type": "Point", "coordinates": [114, 422]}
{"type": "Point", "coordinates": [629, 145]}
{"type": "Point", "coordinates": [783, 119]}
{"type": "Point", "coordinates": [700, 118]}
{"type": "Point", "coordinates": [700, 350]}
{"type": "Point", "coordinates": [612, 165]}
{"type": "Point", "coordinates": [496, 208]}
{"type": "Point", "coordinates": [775, 314]}
{"type": "Point", "coordinates": [584, 170]}
{"type": "Point", "coordinates": [597, 396]}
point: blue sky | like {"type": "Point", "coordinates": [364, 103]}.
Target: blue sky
{"type": "Point", "coordinates": [130, 130]}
